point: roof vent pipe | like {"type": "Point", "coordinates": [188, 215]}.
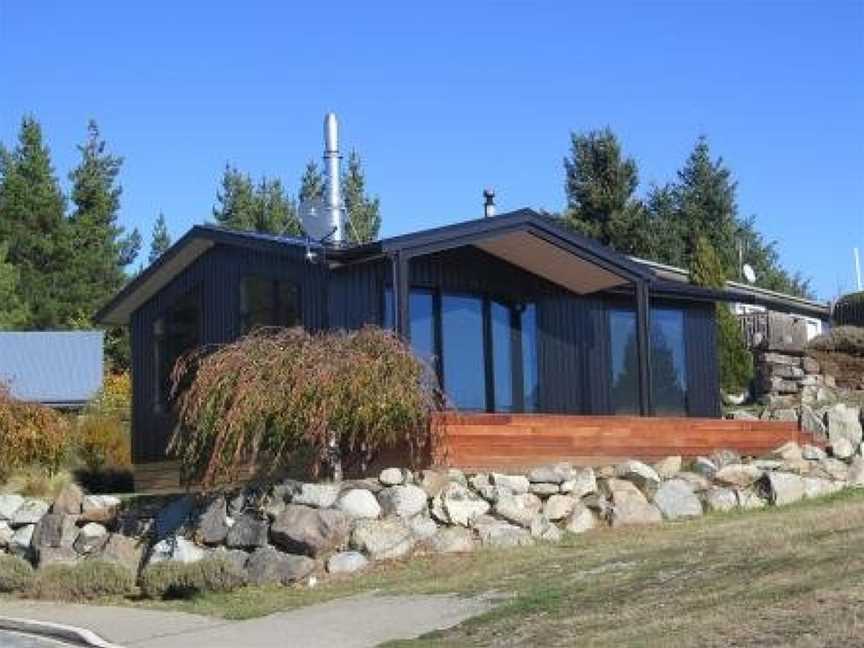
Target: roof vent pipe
{"type": "Point", "coordinates": [333, 195]}
{"type": "Point", "coordinates": [488, 203]}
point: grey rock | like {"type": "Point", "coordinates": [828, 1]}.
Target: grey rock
{"type": "Point", "coordinates": [212, 522]}
{"type": "Point", "coordinates": [236, 557]}
{"type": "Point", "coordinates": [844, 422]}
{"type": "Point", "coordinates": [55, 530]}
{"type": "Point", "coordinates": [697, 482]}
{"type": "Point", "coordinates": [789, 451]}
{"type": "Point", "coordinates": [502, 535]}
{"type": "Point", "coordinates": [5, 534]}
{"type": "Point", "coordinates": [286, 490]}
{"type": "Point", "coordinates": [235, 504]}
{"type": "Point", "coordinates": [451, 540]}
{"type": "Point", "coordinates": [267, 566]}
{"type": "Point", "coordinates": [819, 487]}
{"type": "Point", "coordinates": [391, 476]}
{"type": "Point", "coordinates": [30, 512]}
{"type": "Point", "coordinates": [68, 500]}
{"type": "Point", "coordinates": [812, 453]}
{"type": "Point", "coordinates": [675, 499]}
{"type": "Point", "coordinates": [842, 448]}
{"type": "Point", "coordinates": [810, 365]}
{"type": "Point", "coordinates": [724, 457]}
{"type": "Point", "coordinates": [544, 489]}
{"type": "Point", "coordinates": [317, 495]}
{"type": "Point", "coordinates": [543, 529]}
{"type": "Point", "coordinates": [301, 529]}
{"type": "Point", "coordinates": [554, 474]}
{"type": "Point", "coordinates": [173, 518]}
{"type": "Point", "coordinates": [359, 503]}
{"type": "Point", "coordinates": [705, 467]}
{"type": "Point", "coordinates": [630, 512]}
{"type": "Point", "coordinates": [432, 481]}
{"type": "Point", "coordinates": [422, 527]}
{"type": "Point", "coordinates": [21, 540]}
{"type": "Point", "coordinates": [620, 491]}
{"type": "Point", "coordinates": [584, 482]}
{"type": "Point", "coordinates": [855, 475]}
{"type": "Point", "coordinates": [559, 507]}
{"type": "Point", "coordinates": [739, 475]}
{"type": "Point", "coordinates": [120, 549]}
{"type": "Point", "coordinates": [787, 414]}
{"type": "Point", "coordinates": [90, 538]}
{"type": "Point", "coordinates": [642, 475]}
{"type": "Point", "coordinates": [249, 531]}
{"type": "Point", "coordinates": [668, 467]}
{"type": "Point", "coordinates": [784, 488]}
{"type": "Point", "coordinates": [9, 504]}
{"type": "Point", "coordinates": [516, 484]}
{"type": "Point", "coordinates": [383, 539]}
{"type": "Point", "coordinates": [720, 500]}
{"type": "Point", "coordinates": [748, 499]}
{"type": "Point", "coordinates": [56, 556]}
{"type": "Point", "coordinates": [580, 520]}
{"type": "Point", "coordinates": [831, 468]}
{"type": "Point", "coordinates": [518, 509]}
{"type": "Point", "coordinates": [102, 509]}
{"type": "Point", "coordinates": [403, 501]}
{"type": "Point", "coordinates": [456, 475]}
{"type": "Point", "coordinates": [346, 562]}
{"type": "Point", "coordinates": [177, 549]}
{"type": "Point", "coordinates": [456, 504]}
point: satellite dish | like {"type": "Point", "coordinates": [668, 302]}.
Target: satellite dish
{"type": "Point", "coordinates": [315, 218]}
{"type": "Point", "coordinates": [749, 273]}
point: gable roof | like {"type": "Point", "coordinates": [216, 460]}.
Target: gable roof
{"type": "Point", "coordinates": [58, 368]}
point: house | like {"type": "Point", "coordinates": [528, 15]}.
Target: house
{"type": "Point", "coordinates": [61, 369]}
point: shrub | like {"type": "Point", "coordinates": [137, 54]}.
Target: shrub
{"type": "Point", "coordinates": [103, 440]}
{"type": "Point", "coordinates": [171, 579]}
{"type": "Point", "coordinates": [31, 434]}
{"type": "Point", "coordinates": [116, 396]}
{"type": "Point", "coordinates": [849, 310]}
{"type": "Point", "coordinates": [86, 580]}
{"type": "Point", "coordinates": [33, 481]}
{"type": "Point", "coordinates": [16, 574]}
{"type": "Point", "coordinates": [280, 392]}
{"type": "Point", "coordinates": [842, 339]}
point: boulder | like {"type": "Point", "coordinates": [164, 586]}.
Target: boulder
{"type": "Point", "coordinates": [383, 539]}
{"type": "Point", "coordinates": [580, 520]}
{"type": "Point", "coordinates": [346, 562]}
{"type": "Point", "coordinates": [598, 503]}
{"type": "Point", "coordinates": [675, 499]}
{"type": "Point", "coordinates": [844, 422]}
{"type": "Point", "coordinates": [705, 467]}
{"type": "Point", "coordinates": [212, 522]}
{"type": "Point", "coordinates": [90, 538]}
{"type": "Point", "coordinates": [810, 365]}
{"type": "Point", "coordinates": [20, 542]}
{"type": "Point", "coordinates": [737, 474]}
{"type": "Point", "coordinates": [620, 491]}
{"type": "Point", "coordinates": [432, 481]}
{"type": "Point", "coordinates": [584, 482]}
{"type": "Point", "coordinates": [6, 533]}
{"type": "Point", "coordinates": [631, 512]}
{"type": "Point", "coordinates": [697, 482]}
{"type": "Point", "coordinates": [784, 488]}
{"type": "Point", "coordinates": [789, 451]}
{"type": "Point", "coordinates": [120, 549]}
{"type": "Point", "coordinates": [812, 453]}
{"type": "Point", "coordinates": [642, 475]}
{"type": "Point", "coordinates": [249, 531]}
{"type": "Point", "coordinates": [813, 423]}
{"type": "Point", "coordinates": [55, 530]}
{"type": "Point", "coordinates": [452, 540]}
{"type": "Point", "coordinates": [69, 500]}
{"type": "Point", "coordinates": [359, 503]}
{"type": "Point", "coordinates": [543, 529]}
{"type": "Point", "coordinates": [402, 501]}
{"type": "Point", "coordinates": [56, 556]}
{"type": "Point", "coordinates": [502, 535]}
{"type": "Point", "coordinates": [267, 566]}
{"type": "Point", "coordinates": [855, 475]}
{"type": "Point", "coordinates": [456, 475]}
{"type": "Point", "coordinates": [544, 489]}
{"type": "Point", "coordinates": [831, 468]}
{"type": "Point", "coordinates": [724, 457]}
{"type": "Point", "coordinates": [748, 499]}
{"type": "Point", "coordinates": [177, 549]}
{"type": "Point", "coordinates": [842, 448]}
{"type": "Point", "coordinates": [516, 484]}
{"type": "Point", "coordinates": [286, 490]}
{"type": "Point", "coordinates": [559, 507]}
{"type": "Point", "coordinates": [317, 495]}
{"type": "Point", "coordinates": [668, 467]}
{"type": "Point", "coordinates": [306, 530]}
{"type": "Point", "coordinates": [236, 557]}
{"type": "Point", "coordinates": [422, 527]}
{"type": "Point", "coordinates": [8, 505]}
{"type": "Point", "coordinates": [518, 509]}
{"type": "Point", "coordinates": [819, 487]}
{"type": "Point", "coordinates": [391, 476]}
{"type": "Point", "coordinates": [99, 508]}
{"type": "Point", "coordinates": [553, 474]}
{"type": "Point", "coordinates": [719, 499]}
{"type": "Point", "coordinates": [30, 512]}
{"type": "Point", "coordinates": [174, 518]}
{"type": "Point", "coordinates": [456, 504]}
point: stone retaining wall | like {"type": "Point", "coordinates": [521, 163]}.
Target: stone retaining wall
{"type": "Point", "coordinates": [288, 531]}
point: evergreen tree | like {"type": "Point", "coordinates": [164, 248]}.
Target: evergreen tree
{"type": "Point", "coordinates": [735, 360]}
{"type": "Point", "coordinates": [235, 201]}
{"type": "Point", "coordinates": [312, 183]}
{"type": "Point", "coordinates": [275, 210]}
{"type": "Point", "coordinates": [13, 311]}
{"type": "Point", "coordinates": [364, 218]}
{"type": "Point", "coordinates": [33, 226]}
{"type": "Point", "coordinates": [160, 239]}
{"type": "Point", "coordinates": [101, 249]}
{"type": "Point", "coordinates": [600, 186]}
{"type": "Point", "coordinates": [264, 207]}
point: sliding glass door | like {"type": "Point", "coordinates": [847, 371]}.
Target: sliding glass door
{"type": "Point", "coordinates": [462, 351]}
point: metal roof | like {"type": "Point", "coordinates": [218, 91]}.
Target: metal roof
{"type": "Point", "coordinates": [59, 368]}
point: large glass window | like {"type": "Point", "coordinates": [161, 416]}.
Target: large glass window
{"type": "Point", "coordinates": [624, 361]}
{"type": "Point", "coordinates": [175, 333]}
{"type": "Point", "coordinates": [528, 337]}
{"type": "Point", "coordinates": [668, 361]}
{"type": "Point", "coordinates": [502, 357]}
{"type": "Point", "coordinates": [267, 302]}
{"type": "Point", "coordinates": [463, 355]}
{"type": "Point", "coordinates": [421, 306]}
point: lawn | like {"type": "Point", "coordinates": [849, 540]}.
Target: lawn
{"type": "Point", "coordinates": [791, 576]}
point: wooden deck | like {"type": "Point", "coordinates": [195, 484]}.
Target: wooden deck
{"type": "Point", "coordinates": [518, 441]}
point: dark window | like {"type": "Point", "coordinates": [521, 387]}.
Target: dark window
{"type": "Point", "coordinates": [267, 302]}
{"type": "Point", "coordinates": [175, 333]}
{"type": "Point", "coordinates": [528, 338]}
{"type": "Point", "coordinates": [503, 335]}
{"type": "Point", "coordinates": [668, 361]}
{"type": "Point", "coordinates": [422, 309]}
{"type": "Point", "coordinates": [624, 361]}
{"type": "Point", "coordinates": [387, 317]}
{"type": "Point", "coordinates": [462, 341]}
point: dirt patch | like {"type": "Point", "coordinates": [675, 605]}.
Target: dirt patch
{"type": "Point", "coordinates": [847, 369]}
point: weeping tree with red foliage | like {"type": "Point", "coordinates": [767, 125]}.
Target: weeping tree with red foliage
{"type": "Point", "coordinates": [277, 395]}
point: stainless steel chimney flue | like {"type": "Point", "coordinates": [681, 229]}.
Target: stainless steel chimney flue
{"type": "Point", "coordinates": [488, 203]}
{"type": "Point", "coordinates": [332, 161]}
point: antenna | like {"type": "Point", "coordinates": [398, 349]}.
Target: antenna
{"type": "Point", "coordinates": [857, 268]}
{"type": "Point", "coordinates": [749, 273]}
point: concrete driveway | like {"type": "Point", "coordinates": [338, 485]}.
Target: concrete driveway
{"type": "Point", "coordinates": [355, 622]}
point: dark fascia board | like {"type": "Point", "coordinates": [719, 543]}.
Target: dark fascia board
{"type": "Point", "coordinates": [679, 290]}
{"type": "Point", "coordinates": [779, 303]}
{"type": "Point", "coordinates": [468, 232]}
{"type": "Point", "coordinates": [214, 234]}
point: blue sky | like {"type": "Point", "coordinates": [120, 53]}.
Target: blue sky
{"type": "Point", "coordinates": [446, 98]}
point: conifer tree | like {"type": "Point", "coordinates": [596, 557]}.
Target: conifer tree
{"type": "Point", "coordinates": [264, 207]}
{"type": "Point", "coordinates": [13, 311]}
{"type": "Point", "coordinates": [364, 218]}
{"type": "Point", "coordinates": [33, 226]}
{"type": "Point", "coordinates": [312, 183]}
{"type": "Point", "coordinates": [160, 240]}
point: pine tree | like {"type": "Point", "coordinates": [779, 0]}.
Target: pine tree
{"type": "Point", "coordinates": [600, 185]}
{"type": "Point", "coordinates": [364, 218]}
{"type": "Point", "coordinates": [735, 360]}
{"type": "Point", "coordinates": [101, 249]}
{"type": "Point", "coordinates": [13, 311]}
{"type": "Point", "coordinates": [33, 226]}
{"type": "Point", "coordinates": [160, 240]}
{"type": "Point", "coordinates": [235, 201]}
{"type": "Point", "coordinates": [264, 207]}
{"type": "Point", "coordinates": [312, 183]}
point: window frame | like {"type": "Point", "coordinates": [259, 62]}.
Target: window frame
{"type": "Point", "coordinates": [274, 280]}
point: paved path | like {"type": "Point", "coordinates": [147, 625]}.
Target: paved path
{"type": "Point", "coordinates": [355, 622]}
{"type": "Point", "coordinates": [16, 640]}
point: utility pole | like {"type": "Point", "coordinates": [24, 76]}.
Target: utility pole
{"type": "Point", "coordinates": [857, 269]}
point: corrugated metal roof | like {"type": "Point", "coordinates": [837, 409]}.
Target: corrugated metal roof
{"type": "Point", "coordinates": [62, 368]}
